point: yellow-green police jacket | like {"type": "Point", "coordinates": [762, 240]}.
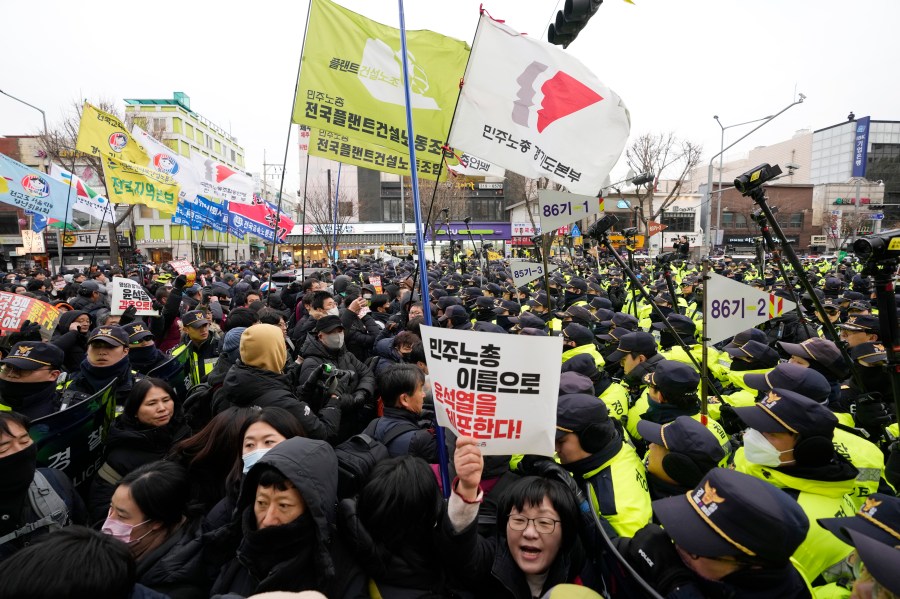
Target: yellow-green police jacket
{"type": "Point", "coordinates": [819, 499]}
{"type": "Point", "coordinates": [619, 492]}
{"type": "Point", "coordinates": [587, 348]}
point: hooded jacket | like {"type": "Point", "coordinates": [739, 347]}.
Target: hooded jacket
{"type": "Point", "coordinates": [315, 355]}
{"type": "Point", "coordinates": [248, 386]}
{"type": "Point", "coordinates": [324, 564]}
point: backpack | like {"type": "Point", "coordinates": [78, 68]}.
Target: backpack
{"type": "Point", "coordinates": [197, 406]}
{"type": "Point", "coordinates": [357, 457]}
{"type": "Point", "coordinates": [52, 511]}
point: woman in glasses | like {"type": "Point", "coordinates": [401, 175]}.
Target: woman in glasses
{"type": "Point", "coordinates": [535, 545]}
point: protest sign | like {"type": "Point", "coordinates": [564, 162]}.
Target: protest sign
{"type": "Point", "coordinates": [375, 281]}
{"type": "Point", "coordinates": [491, 387]}
{"type": "Point", "coordinates": [72, 440]}
{"type": "Point", "coordinates": [16, 309]}
{"type": "Point", "coordinates": [183, 267]}
{"type": "Point", "coordinates": [734, 307]}
{"type": "Point", "coordinates": [125, 293]}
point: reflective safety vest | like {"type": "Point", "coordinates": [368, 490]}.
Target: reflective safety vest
{"type": "Point", "coordinates": [616, 399]}
{"type": "Point", "coordinates": [587, 348]}
{"type": "Point", "coordinates": [678, 354]}
{"type": "Point", "coordinates": [866, 457]}
{"type": "Point", "coordinates": [819, 499]}
{"type": "Point", "coordinates": [643, 404]}
{"type": "Point", "coordinates": [196, 369]}
{"type": "Point", "coordinates": [619, 492]}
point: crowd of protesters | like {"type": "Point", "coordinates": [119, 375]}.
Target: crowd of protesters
{"type": "Point", "coordinates": [222, 470]}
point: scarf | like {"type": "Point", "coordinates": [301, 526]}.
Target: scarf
{"type": "Point", "coordinates": [263, 549]}
{"type": "Point", "coordinates": [663, 413]}
{"type": "Point", "coordinates": [144, 357]}
{"type": "Point", "coordinates": [14, 394]}
{"type": "Point", "coordinates": [98, 377]}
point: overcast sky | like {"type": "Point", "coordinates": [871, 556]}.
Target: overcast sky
{"type": "Point", "coordinates": [676, 63]}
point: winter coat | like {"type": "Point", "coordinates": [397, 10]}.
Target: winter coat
{"type": "Point", "coordinates": [177, 568]}
{"type": "Point", "coordinates": [73, 343]}
{"type": "Point", "coordinates": [315, 355]}
{"type": "Point", "coordinates": [248, 386]}
{"type": "Point", "coordinates": [129, 445]}
{"type": "Point", "coordinates": [416, 441]}
{"type": "Point", "coordinates": [306, 554]}
{"type": "Point", "coordinates": [359, 333]}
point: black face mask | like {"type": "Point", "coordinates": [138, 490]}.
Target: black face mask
{"type": "Point", "coordinates": [16, 474]}
{"type": "Point", "coordinates": [503, 321]}
{"type": "Point", "coordinates": [660, 489]}
{"type": "Point", "coordinates": [742, 365]}
{"type": "Point", "coordinates": [667, 339]}
{"type": "Point", "coordinates": [571, 296]}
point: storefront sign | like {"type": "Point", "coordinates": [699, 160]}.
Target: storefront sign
{"type": "Point", "coordinates": [459, 230]}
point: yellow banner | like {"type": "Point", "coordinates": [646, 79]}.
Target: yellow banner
{"type": "Point", "coordinates": [103, 134]}
{"type": "Point", "coordinates": [129, 183]}
{"type": "Point", "coordinates": [348, 150]}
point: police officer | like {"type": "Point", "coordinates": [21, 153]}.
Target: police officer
{"type": "Point", "coordinates": [199, 349]}
{"type": "Point", "coordinates": [730, 536]}
{"type": "Point", "coordinates": [591, 447]}
{"type": "Point", "coordinates": [578, 339]}
{"type": "Point", "coordinates": [28, 378]}
{"type": "Point", "coordinates": [680, 454]}
{"type": "Point", "coordinates": [789, 443]}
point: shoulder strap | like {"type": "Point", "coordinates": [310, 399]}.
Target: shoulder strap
{"type": "Point", "coordinates": [47, 504]}
{"type": "Point", "coordinates": [398, 430]}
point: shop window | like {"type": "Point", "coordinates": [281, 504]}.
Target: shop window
{"type": "Point", "coordinates": [678, 222]}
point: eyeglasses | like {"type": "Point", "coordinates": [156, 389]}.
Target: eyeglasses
{"type": "Point", "coordinates": [544, 526]}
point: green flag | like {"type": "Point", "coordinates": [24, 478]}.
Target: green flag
{"type": "Point", "coordinates": [351, 83]}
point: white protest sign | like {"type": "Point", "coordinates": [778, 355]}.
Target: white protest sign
{"type": "Point", "coordinates": [33, 242]}
{"type": "Point", "coordinates": [524, 272]}
{"type": "Point", "coordinates": [183, 267]}
{"type": "Point", "coordinates": [491, 387]}
{"type": "Point", "coordinates": [125, 293]}
{"type": "Point", "coordinates": [733, 307]}
{"type": "Point", "coordinates": [558, 208]}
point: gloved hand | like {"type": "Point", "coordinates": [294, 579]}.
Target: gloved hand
{"type": "Point", "coordinates": [128, 315]}
{"type": "Point", "coordinates": [30, 331]}
{"type": "Point", "coordinates": [352, 402]}
{"type": "Point", "coordinates": [871, 413]}
{"type": "Point", "coordinates": [180, 282]}
{"type": "Point", "coordinates": [653, 556]}
{"type": "Point", "coordinates": [730, 421]}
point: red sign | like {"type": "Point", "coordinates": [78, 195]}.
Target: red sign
{"type": "Point", "coordinates": [655, 227]}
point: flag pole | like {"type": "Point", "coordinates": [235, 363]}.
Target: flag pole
{"type": "Point", "coordinates": [303, 221]}
{"type": "Point", "coordinates": [97, 240]}
{"type": "Point", "coordinates": [420, 239]}
{"type": "Point", "coordinates": [337, 194]}
{"type": "Point", "coordinates": [65, 218]}
{"type": "Point", "coordinates": [287, 146]}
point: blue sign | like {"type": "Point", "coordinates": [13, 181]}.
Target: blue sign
{"type": "Point", "coordinates": [623, 204]}
{"type": "Point", "coordinates": [876, 216]}
{"type": "Point", "coordinates": [575, 232]}
{"type": "Point", "coordinates": [860, 147]}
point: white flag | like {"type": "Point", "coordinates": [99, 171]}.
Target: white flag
{"type": "Point", "coordinates": [470, 166]}
{"type": "Point", "coordinates": [165, 159]}
{"type": "Point", "coordinates": [83, 198]}
{"type": "Point", "coordinates": [531, 108]}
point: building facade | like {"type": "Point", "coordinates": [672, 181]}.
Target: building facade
{"type": "Point", "coordinates": [189, 134]}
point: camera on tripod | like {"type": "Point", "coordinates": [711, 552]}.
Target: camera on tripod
{"type": "Point", "coordinates": [630, 232]}
{"type": "Point", "coordinates": [663, 259]}
{"type": "Point", "coordinates": [754, 178]}
{"type": "Point", "coordinates": [875, 248]}
{"type": "Point", "coordinates": [598, 229]}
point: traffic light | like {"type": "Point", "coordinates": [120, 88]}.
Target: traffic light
{"type": "Point", "coordinates": [571, 20]}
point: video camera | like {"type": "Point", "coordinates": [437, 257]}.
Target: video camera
{"type": "Point", "coordinates": [599, 228]}
{"type": "Point", "coordinates": [663, 259]}
{"type": "Point", "coordinates": [884, 246]}
{"type": "Point", "coordinates": [754, 178]}
{"type": "Point", "coordinates": [630, 232]}
{"type": "Point", "coordinates": [329, 371]}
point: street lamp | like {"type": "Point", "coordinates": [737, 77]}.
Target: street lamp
{"type": "Point", "coordinates": [709, 177]}
{"type": "Point", "coordinates": [721, 159]}
{"type": "Point", "coordinates": [43, 114]}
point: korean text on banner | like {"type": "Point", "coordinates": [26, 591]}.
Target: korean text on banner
{"type": "Point", "coordinates": [733, 307]}
{"type": "Point", "coordinates": [16, 309]}
{"type": "Point", "coordinates": [531, 108]}
{"type": "Point", "coordinates": [183, 267]}
{"type": "Point", "coordinates": [30, 190]}
{"type": "Point", "coordinates": [375, 282]}
{"type": "Point", "coordinates": [351, 81]}
{"type": "Point", "coordinates": [349, 150]}
{"type": "Point", "coordinates": [129, 183]}
{"type": "Point", "coordinates": [103, 134]}
{"type": "Point", "coordinates": [257, 219]}
{"type": "Point", "coordinates": [490, 387]}
{"type": "Point", "coordinates": [71, 440]}
{"type": "Point", "coordinates": [83, 199]}
{"type": "Point", "coordinates": [125, 293]}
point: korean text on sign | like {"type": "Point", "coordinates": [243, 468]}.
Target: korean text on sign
{"type": "Point", "coordinates": [491, 387]}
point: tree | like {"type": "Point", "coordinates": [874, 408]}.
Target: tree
{"type": "Point", "coordinates": [59, 144]}
{"type": "Point", "coordinates": [667, 157]}
{"type": "Point", "coordinates": [326, 225]}
{"type": "Point", "coordinates": [843, 228]}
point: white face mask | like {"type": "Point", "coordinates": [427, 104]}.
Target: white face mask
{"type": "Point", "coordinates": [251, 458]}
{"type": "Point", "coordinates": [758, 450]}
{"type": "Point", "coordinates": [335, 341]}
{"type": "Point", "coordinates": [333, 311]}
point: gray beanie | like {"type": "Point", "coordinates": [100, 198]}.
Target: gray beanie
{"type": "Point", "coordinates": [232, 343]}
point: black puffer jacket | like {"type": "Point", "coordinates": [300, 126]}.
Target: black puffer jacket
{"type": "Point", "coordinates": [248, 386]}
{"type": "Point", "coordinates": [73, 343]}
{"type": "Point", "coordinates": [177, 567]}
{"type": "Point", "coordinates": [130, 444]}
{"type": "Point", "coordinates": [272, 559]}
{"type": "Point", "coordinates": [315, 355]}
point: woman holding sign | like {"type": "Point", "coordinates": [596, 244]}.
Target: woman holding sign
{"type": "Point", "coordinates": [536, 545]}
